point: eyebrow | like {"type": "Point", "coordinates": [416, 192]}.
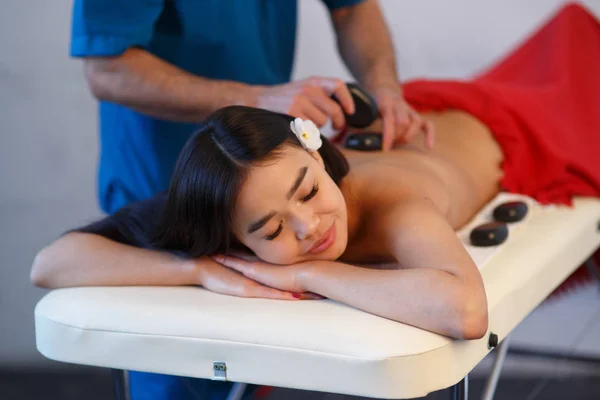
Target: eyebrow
{"type": "Point", "coordinates": [298, 182]}
{"type": "Point", "coordinates": [262, 222]}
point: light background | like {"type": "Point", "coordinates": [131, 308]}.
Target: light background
{"type": "Point", "coordinates": [48, 137]}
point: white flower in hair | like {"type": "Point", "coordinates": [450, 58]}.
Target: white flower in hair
{"type": "Point", "coordinates": [307, 132]}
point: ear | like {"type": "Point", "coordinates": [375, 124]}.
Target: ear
{"type": "Point", "coordinates": [317, 156]}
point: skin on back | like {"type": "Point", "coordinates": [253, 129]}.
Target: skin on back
{"type": "Point", "coordinates": [457, 177]}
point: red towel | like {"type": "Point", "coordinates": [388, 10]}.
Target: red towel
{"type": "Point", "coordinates": [542, 102]}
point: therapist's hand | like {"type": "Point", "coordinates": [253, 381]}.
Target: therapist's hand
{"type": "Point", "coordinates": [401, 122]}
{"type": "Point", "coordinates": [220, 279]}
{"type": "Point", "coordinates": [283, 277]}
{"type": "Point", "coordinates": [309, 98]}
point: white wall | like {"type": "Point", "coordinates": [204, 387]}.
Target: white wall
{"type": "Point", "coordinates": [48, 142]}
{"type": "Point", "coordinates": [433, 38]}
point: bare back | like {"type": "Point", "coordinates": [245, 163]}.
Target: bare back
{"type": "Point", "coordinates": [458, 176]}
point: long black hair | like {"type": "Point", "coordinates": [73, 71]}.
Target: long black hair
{"type": "Point", "coordinates": [197, 218]}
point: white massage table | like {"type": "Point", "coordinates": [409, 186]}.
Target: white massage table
{"type": "Point", "coordinates": [317, 345]}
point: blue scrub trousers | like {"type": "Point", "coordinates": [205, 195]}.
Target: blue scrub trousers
{"type": "Point", "coordinates": [147, 386]}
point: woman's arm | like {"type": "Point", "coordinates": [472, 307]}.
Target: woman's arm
{"type": "Point", "coordinates": [430, 299]}
{"type": "Point", "coordinates": [437, 288]}
{"type": "Point", "coordinates": [110, 252]}
{"type": "Point", "coordinates": [84, 259]}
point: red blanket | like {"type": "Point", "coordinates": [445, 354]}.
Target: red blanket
{"type": "Point", "coordinates": [542, 102]}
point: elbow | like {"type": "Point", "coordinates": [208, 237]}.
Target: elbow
{"type": "Point", "coordinates": [48, 266]}
{"type": "Point", "coordinates": [473, 317]}
{"type": "Point", "coordinates": [98, 74]}
{"type": "Point", "coordinates": [39, 274]}
{"type": "Point", "coordinates": [474, 325]}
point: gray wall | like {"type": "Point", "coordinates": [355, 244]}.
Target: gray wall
{"type": "Point", "coordinates": [48, 143]}
{"type": "Point", "coordinates": [48, 148]}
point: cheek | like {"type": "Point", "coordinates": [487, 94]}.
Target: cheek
{"type": "Point", "coordinates": [282, 250]}
{"type": "Point", "coordinates": [331, 200]}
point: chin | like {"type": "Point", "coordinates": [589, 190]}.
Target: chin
{"type": "Point", "coordinates": [338, 249]}
{"type": "Point", "coordinates": [334, 254]}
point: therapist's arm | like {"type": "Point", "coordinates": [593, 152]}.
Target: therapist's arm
{"type": "Point", "coordinates": [152, 86]}
{"type": "Point", "coordinates": [366, 46]}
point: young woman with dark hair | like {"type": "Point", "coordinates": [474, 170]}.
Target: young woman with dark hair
{"type": "Point", "coordinates": [256, 182]}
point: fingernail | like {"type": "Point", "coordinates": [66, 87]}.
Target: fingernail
{"type": "Point", "coordinates": [220, 259]}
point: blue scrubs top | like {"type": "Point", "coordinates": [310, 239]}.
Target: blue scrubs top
{"type": "Point", "coordinates": [251, 41]}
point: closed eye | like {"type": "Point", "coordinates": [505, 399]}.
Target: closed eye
{"type": "Point", "coordinates": [306, 198]}
{"type": "Point", "coordinates": [312, 193]}
{"type": "Point", "coordinates": [276, 233]}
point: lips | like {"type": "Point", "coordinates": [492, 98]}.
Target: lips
{"type": "Point", "coordinates": [325, 242]}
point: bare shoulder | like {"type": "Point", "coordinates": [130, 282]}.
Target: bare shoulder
{"type": "Point", "coordinates": [420, 236]}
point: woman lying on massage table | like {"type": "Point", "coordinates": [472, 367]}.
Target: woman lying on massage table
{"type": "Point", "coordinates": [254, 181]}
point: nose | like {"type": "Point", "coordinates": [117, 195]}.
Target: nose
{"type": "Point", "coordinates": [305, 223]}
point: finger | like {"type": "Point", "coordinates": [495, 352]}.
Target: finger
{"type": "Point", "coordinates": [244, 255]}
{"type": "Point", "coordinates": [257, 271]}
{"type": "Point", "coordinates": [414, 128]}
{"type": "Point", "coordinates": [403, 122]}
{"type": "Point", "coordinates": [311, 111]}
{"type": "Point", "coordinates": [389, 131]}
{"type": "Point", "coordinates": [241, 286]}
{"type": "Point", "coordinates": [310, 296]}
{"type": "Point", "coordinates": [403, 115]}
{"type": "Point", "coordinates": [429, 134]}
{"type": "Point", "coordinates": [234, 263]}
{"type": "Point", "coordinates": [332, 109]}
{"type": "Point", "coordinates": [266, 292]}
{"type": "Point", "coordinates": [339, 89]}
{"type": "Point", "coordinates": [227, 281]}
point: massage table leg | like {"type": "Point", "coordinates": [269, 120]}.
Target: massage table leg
{"type": "Point", "coordinates": [237, 391]}
{"type": "Point", "coordinates": [490, 387]}
{"type": "Point", "coordinates": [460, 391]}
{"type": "Point", "coordinates": [501, 351]}
{"type": "Point", "coordinates": [120, 384]}
{"type": "Point", "coordinates": [122, 393]}
{"type": "Point", "coordinates": [593, 268]}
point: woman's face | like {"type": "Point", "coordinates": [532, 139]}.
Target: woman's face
{"type": "Point", "coordinates": [290, 210]}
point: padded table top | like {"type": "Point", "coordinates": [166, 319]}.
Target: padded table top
{"type": "Point", "coordinates": [314, 345]}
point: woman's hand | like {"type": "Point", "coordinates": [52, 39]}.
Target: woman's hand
{"type": "Point", "coordinates": [282, 277]}
{"type": "Point", "coordinates": [220, 279]}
